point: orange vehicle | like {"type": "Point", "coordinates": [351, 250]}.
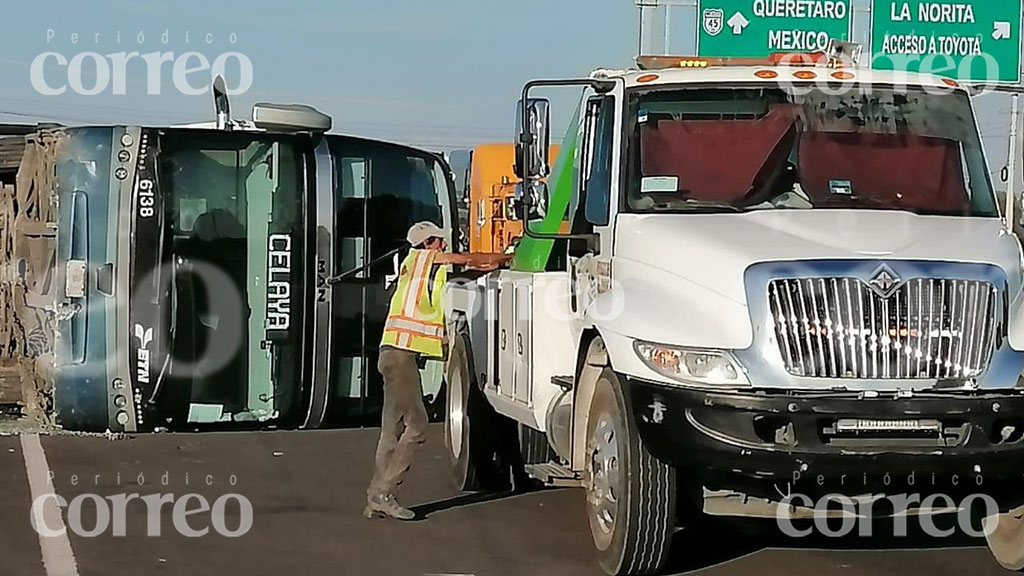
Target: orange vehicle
{"type": "Point", "coordinates": [493, 224]}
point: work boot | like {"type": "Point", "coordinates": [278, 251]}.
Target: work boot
{"type": "Point", "coordinates": [386, 505]}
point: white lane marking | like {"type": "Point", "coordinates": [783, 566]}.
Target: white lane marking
{"type": "Point", "coordinates": [58, 558]}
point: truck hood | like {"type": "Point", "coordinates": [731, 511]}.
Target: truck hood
{"type": "Point", "coordinates": [714, 250]}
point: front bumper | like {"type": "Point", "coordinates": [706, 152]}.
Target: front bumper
{"type": "Point", "coordinates": [794, 438]}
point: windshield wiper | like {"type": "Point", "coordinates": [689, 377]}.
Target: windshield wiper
{"type": "Point", "coordinates": [172, 337]}
{"type": "Point", "coordinates": [708, 205]}
{"type": "Point", "coordinates": [173, 328]}
{"type": "Point", "coordinates": [859, 203]}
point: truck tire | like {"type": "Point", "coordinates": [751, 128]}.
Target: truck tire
{"type": "Point", "coordinates": [1006, 539]}
{"type": "Point", "coordinates": [469, 427]}
{"type": "Point", "coordinates": [631, 496]}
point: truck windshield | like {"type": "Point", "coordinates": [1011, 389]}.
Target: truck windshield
{"type": "Point", "coordinates": [736, 150]}
{"type": "Point", "coordinates": [233, 209]}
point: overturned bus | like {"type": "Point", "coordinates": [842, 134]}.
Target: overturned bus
{"type": "Point", "coordinates": [175, 277]}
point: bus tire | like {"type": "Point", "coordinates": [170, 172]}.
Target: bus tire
{"type": "Point", "coordinates": [631, 496]}
{"type": "Point", "coordinates": [469, 425]}
{"type": "Point", "coordinates": [1006, 539]}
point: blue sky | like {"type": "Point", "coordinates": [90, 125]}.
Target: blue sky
{"type": "Point", "coordinates": [439, 73]}
{"type": "Point", "coordinates": [435, 73]}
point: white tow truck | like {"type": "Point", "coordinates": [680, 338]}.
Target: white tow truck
{"type": "Point", "coordinates": [779, 276]}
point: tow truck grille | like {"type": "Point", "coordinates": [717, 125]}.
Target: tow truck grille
{"type": "Point", "coordinates": [924, 329]}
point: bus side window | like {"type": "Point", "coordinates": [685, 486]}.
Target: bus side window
{"type": "Point", "coordinates": [353, 188]}
{"type": "Point", "coordinates": [598, 161]}
{"type": "Point", "coordinates": [353, 177]}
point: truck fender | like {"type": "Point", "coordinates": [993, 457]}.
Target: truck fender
{"type": "Point", "coordinates": [593, 359]}
{"type": "Point", "coordinates": [465, 312]}
{"type": "Point", "coordinates": [1015, 328]}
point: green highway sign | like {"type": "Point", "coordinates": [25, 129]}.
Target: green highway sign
{"type": "Point", "coordinates": [756, 28]}
{"type": "Point", "coordinates": [970, 40]}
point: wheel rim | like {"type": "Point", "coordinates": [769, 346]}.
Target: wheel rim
{"type": "Point", "coordinates": [603, 480]}
{"type": "Point", "coordinates": [456, 413]}
{"type": "Point", "coordinates": [1006, 539]}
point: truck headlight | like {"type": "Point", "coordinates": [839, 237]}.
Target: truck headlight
{"type": "Point", "coordinates": [693, 365]}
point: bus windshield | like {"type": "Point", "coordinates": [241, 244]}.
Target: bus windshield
{"type": "Point", "coordinates": [233, 228]}
{"type": "Point", "coordinates": [742, 149]}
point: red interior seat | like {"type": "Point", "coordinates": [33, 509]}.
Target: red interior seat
{"type": "Point", "coordinates": [715, 160]}
{"type": "Point", "coordinates": [903, 171]}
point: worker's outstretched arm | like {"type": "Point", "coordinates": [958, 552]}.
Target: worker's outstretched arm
{"type": "Point", "coordinates": [477, 261]}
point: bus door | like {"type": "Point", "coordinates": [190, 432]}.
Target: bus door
{"type": "Point", "coordinates": [380, 191]}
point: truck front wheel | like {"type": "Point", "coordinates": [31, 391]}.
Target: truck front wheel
{"type": "Point", "coordinates": [470, 426]}
{"type": "Point", "coordinates": [1006, 539]}
{"type": "Point", "coordinates": [631, 496]}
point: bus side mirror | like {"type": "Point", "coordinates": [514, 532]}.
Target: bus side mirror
{"type": "Point", "coordinates": [533, 139]}
{"type": "Point", "coordinates": [221, 103]}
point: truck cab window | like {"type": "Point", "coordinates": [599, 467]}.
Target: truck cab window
{"type": "Point", "coordinates": [597, 181]}
{"type": "Point", "coordinates": [736, 150]}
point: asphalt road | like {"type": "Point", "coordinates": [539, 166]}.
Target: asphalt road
{"type": "Point", "coordinates": [306, 490]}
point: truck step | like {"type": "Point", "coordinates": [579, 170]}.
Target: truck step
{"type": "Point", "coordinates": [554, 474]}
{"type": "Point", "coordinates": [564, 382]}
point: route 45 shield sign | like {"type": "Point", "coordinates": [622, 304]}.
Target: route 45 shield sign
{"type": "Point", "coordinates": [714, 20]}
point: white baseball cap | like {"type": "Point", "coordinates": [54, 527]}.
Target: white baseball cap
{"type": "Point", "coordinates": [420, 232]}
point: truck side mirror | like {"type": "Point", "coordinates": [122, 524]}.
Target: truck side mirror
{"type": "Point", "coordinates": [533, 139]}
{"type": "Point", "coordinates": [531, 200]}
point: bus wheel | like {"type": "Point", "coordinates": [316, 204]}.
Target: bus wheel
{"type": "Point", "coordinates": [631, 496]}
{"type": "Point", "coordinates": [1006, 538]}
{"type": "Point", "coordinates": [469, 425]}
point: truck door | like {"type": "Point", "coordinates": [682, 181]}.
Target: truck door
{"type": "Point", "coordinates": [590, 271]}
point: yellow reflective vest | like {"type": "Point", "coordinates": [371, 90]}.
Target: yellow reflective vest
{"type": "Point", "coordinates": [416, 316]}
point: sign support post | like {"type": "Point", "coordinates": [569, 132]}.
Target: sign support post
{"type": "Point", "coordinates": [1011, 166]}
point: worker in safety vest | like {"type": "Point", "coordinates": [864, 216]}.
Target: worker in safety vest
{"type": "Point", "coordinates": [414, 330]}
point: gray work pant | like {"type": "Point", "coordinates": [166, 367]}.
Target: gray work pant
{"type": "Point", "coordinates": [403, 422]}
